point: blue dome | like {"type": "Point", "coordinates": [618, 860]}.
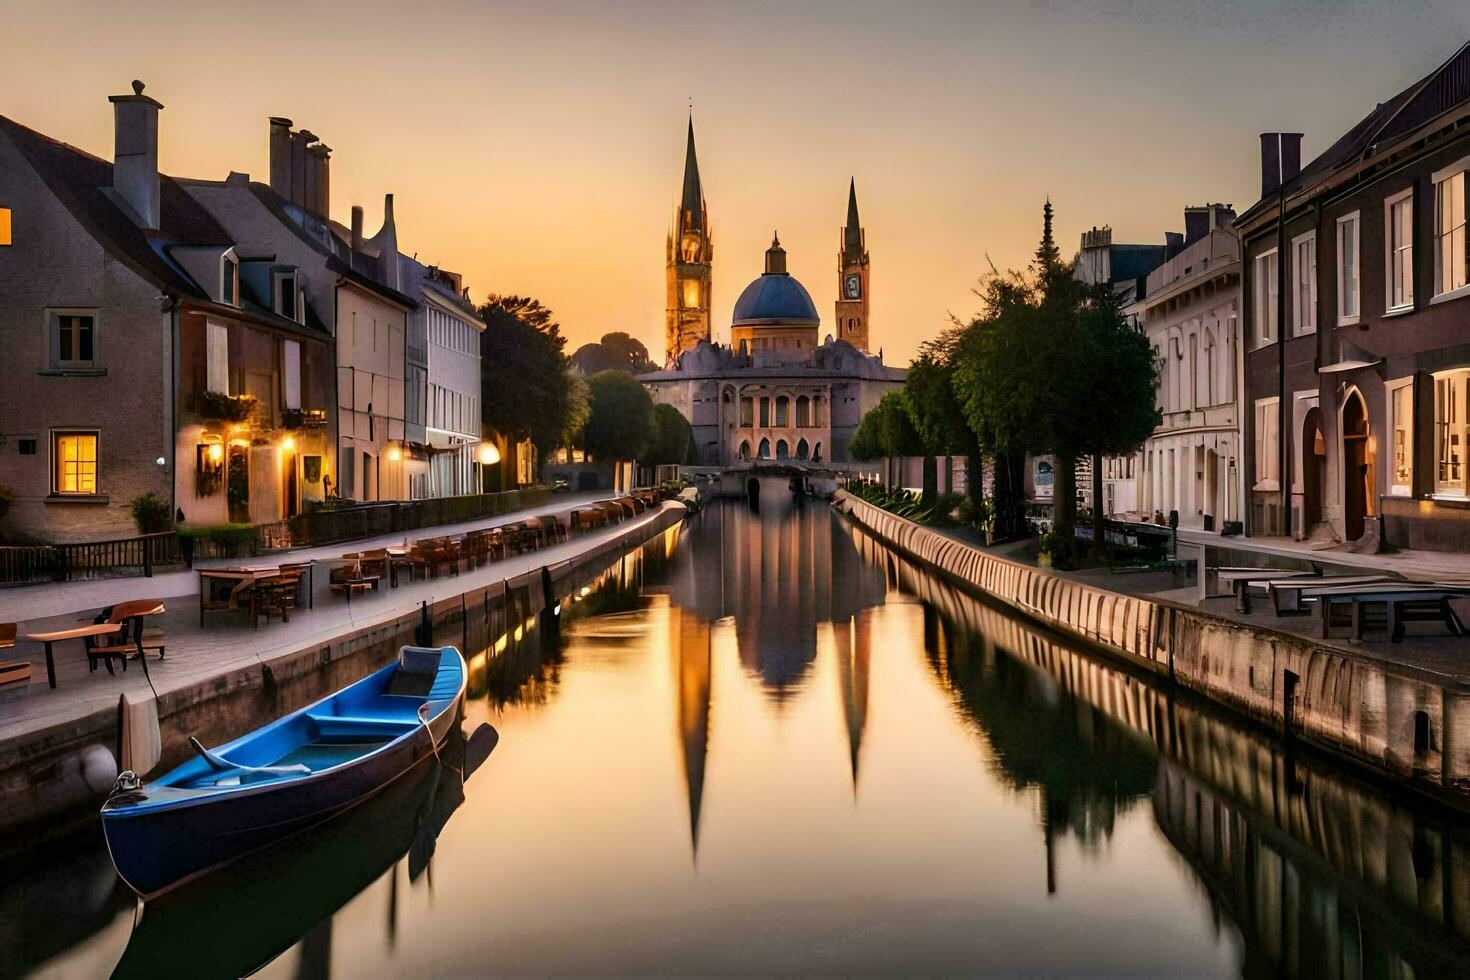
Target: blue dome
{"type": "Point", "coordinates": [775, 298]}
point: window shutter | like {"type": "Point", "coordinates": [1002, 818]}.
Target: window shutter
{"type": "Point", "coordinates": [218, 359]}
{"type": "Point", "coordinates": [291, 373]}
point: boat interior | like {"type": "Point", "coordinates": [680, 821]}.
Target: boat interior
{"type": "Point", "coordinates": [352, 723]}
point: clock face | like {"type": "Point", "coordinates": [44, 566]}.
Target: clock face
{"type": "Point", "coordinates": [852, 286]}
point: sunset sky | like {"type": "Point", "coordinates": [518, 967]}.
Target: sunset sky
{"type": "Point", "coordinates": [537, 148]}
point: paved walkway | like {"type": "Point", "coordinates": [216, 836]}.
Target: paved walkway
{"type": "Point", "coordinates": [197, 653]}
{"type": "Point", "coordinates": [1426, 647]}
{"type": "Point", "coordinates": [28, 603]}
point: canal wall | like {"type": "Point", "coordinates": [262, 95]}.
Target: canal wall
{"type": "Point", "coordinates": [55, 778]}
{"type": "Point", "coordinates": [1396, 720]}
{"type": "Point", "coordinates": [1290, 844]}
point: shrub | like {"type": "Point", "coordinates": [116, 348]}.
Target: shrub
{"type": "Point", "coordinates": [222, 540]}
{"type": "Point", "coordinates": [226, 408]}
{"type": "Point", "coordinates": [151, 513]}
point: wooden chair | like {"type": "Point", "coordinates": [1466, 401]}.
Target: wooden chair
{"type": "Point", "coordinates": [554, 529]}
{"type": "Point", "coordinates": [303, 570]}
{"type": "Point", "coordinates": [347, 579]}
{"type": "Point", "coordinates": [216, 599]}
{"type": "Point", "coordinates": [278, 595]}
{"type": "Point", "coordinates": [375, 562]}
{"type": "Point", "coordinates": [12, 671]}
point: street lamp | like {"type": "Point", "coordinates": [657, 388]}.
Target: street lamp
{"type": "Point", "coordinates": [488, 456]}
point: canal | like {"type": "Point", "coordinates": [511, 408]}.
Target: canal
{"type": "Point", "coordinates": [763, 743]}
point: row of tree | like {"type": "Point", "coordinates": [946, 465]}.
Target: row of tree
{"type": "Point", "coordinates": [1049, 365]}
{"type": "Point", "coordinates": [531, 389]}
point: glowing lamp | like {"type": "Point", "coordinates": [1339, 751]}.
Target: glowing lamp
{"type": "Point", "coordinates": [288, 444]}
{"type": "Point", "coordinates": [395, 454]}
{"type": "Point", "coordinates": [216, 452]}
{"type": "Point", "coordinates": [489, 455]}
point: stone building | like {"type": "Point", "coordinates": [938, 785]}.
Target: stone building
{"type": "Point", "coordinates": [1357, 324]}
{"type": "Point", "coordinates": [355, 278]}
{"type": "Point", "coordinates": [776, 393]}
{"type": "Point", "coordinates": [149, 348]}
{"type": "Point", "coordinates": [1191, 463]}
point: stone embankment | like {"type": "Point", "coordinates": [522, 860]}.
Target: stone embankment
{"type": "Point", "coordinates": [52, 777]}
{"type": "Point", "coordinates": [1395, 720]}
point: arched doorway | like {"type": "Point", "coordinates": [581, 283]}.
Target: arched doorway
{"type": "Point", "coordinates": [783, 451]}
{"type": "Point", "coordinates": [817, 453]}
{"type": "Point", "coordinates": [1357, 466]}
{"type": "Point", "coordinates": [801, 449]}
{"type": "Point", "coordinates": [744, 449]}
{"type": "Point", "coordinates": [1314, 469]}
{"type": "Point", "coordinates": [764, 451]}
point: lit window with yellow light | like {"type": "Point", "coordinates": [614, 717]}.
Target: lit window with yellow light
{"type": "Point", "coordinates": [691, 293]}
{"type": "Point", "coordinates": [4, 226]}
{"type": "Point", "coordinates": [76, 462]}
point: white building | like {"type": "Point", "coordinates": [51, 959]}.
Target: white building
{"type": "Point", "coordinates": [1192, 462]}
{"type": "Point", "coordinates": [444, 332]}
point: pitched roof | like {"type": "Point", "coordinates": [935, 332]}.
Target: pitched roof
{"type": "Point", "coordinates": [1430, 97]}
{"type": "Point", "coordinates": [83, 184]}
{"type": "Point", "coordinates": [693, 197]}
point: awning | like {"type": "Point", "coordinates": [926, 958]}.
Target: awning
{"type": "Point", "coordinates": [1343, 367]}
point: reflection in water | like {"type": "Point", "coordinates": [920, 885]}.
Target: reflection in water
{"type": "Point", "coordinates": [1023, 805]}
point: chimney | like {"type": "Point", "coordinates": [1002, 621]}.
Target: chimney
{"type": "Point", "coordinates": [310, 175]}
{"type": "Point", "coordinates": [321, 156]}
{"type": "Point", "coordinates": [1222, 216]}
{"type": "Point", "coordinates": [280, 148]}
{"type": "Point", "coordinates": [135, 153]}
{"type": "Point", "coordinates": [387, 241]}
{"type": "Point", "coordinates": [1173, 244]}
{"type": "Point", "coordinates": [299, 141]}
{"type": "Point", "coordinates": [1281, 160]}
{"type": "Point", "coordinates": [1196, 224]}
{"type": "Point", "coordinates": [356, 228]}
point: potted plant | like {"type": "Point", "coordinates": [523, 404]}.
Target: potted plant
{"type": "Point", "coordinates": [226, 408]}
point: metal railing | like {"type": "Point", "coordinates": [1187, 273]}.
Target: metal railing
{"type": "Point", "coordinates": [25, 564]}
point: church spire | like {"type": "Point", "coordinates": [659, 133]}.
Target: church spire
{"type": "Point", "coordinates": [852, 216]}
{"type": "Point", "coordinates": [852, 233]}
{"type": "Point", "coordinates": [692, 201]}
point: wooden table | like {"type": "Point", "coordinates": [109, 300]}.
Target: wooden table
{"type": "Point", "coordinates": [75, 633]}
{"type": "Point", "coordinates": [1402, 601]}
{"type": "Point", "coordinates": [398, 558]}
{"type": "Point", "coordinates": [245, 579]}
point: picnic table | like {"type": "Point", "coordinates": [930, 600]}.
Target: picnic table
{"type": "Point", "coordinates": [75, 633]}
{"type": "Point", "coordinates": [1403, 602]}
{"type": "Point", "coordinates": [242, 589]}
{"type": "Point", "coordinates": [1242, 580]}
{"type": "Point", "coordinates": [1286, 593]}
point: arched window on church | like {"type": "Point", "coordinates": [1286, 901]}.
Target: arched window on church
{"type": "Point", "coordinates": [803, 411]}
{"type": "Point", "coordinates": [744, 449]}
{"type": "Point", "coordinates": [817, 453]}
{"type": "Point", "coordinates": [801, 449]}
{"type": "Point", "coordinates": [765, 450]}
{"type": "Point", "coordinates": [783, 411]}
{"type": "Point", "coordinates": [783, 451]}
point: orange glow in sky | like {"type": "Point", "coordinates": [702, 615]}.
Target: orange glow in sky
{"type": "Point", "coordinates": [538, 148]}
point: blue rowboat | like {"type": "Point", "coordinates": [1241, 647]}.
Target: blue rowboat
{"type": "Point", "coordinates": [279, 780]}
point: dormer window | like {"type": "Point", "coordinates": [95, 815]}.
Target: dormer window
{"type": "Point", "coordinates": [229, 280]}
{"type": "Point", "coordinates": [287, 301]}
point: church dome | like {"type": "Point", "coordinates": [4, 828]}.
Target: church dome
{"type": "Point", "coordinates": [775, 297]}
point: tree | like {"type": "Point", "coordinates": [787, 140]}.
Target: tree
{"type": "Point", "coordinates": [620, 425]}
{"type": "Point", "coordinates": [673, 440]}
{"type": "Point", "coordinates": [616, 351]}
{"type": "Point", "coordinates": [579, 406]}
{"type": "Point", "coordinates": [938, 419]}
{"type": "Point", "coordinates": [1051, 366]}
{"type": "Point", "coordinates": [885, 432]}
{"type": "Point", "coordinates": [524, 388]}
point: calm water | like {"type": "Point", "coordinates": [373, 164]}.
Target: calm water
{"type": "Point", "coordinates": [763, 744]}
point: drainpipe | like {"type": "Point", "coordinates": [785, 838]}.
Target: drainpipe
{"type": "Point", "coordinates": [1283, 445]}
{"type": "Point", "coordinates": [170, 304]}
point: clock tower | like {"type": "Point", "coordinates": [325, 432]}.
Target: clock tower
{"type": "Point", "coordinates": [690, 254]}
{"type": "Point", "coordinates": [852, 278]}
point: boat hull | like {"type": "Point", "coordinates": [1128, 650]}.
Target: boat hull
{"type": "Point", "coordinates": [176, 839]}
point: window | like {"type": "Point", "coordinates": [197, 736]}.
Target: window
{"type": "Point", "coordinates": [765, 415]}
{"type": "Point", "coordinates": [1401, 424]}
{"type": "Point", "coordinates": [1268, 444]}
{"type": "Point", "coordinates": [1449, 233]}
{"type": "Point", "coordinates": [1449, 432]}
{"type": "Point", "coordinates": [782, 410]}
{"type": "Point", "coordinates": [75, 456]}
{"type": "Point", "coordinates": [290, 374]}
{"type": "Point", "coordinates": [4, 226]}
{"type": "Point", "coordinates": [1347, 269]}
{"type": "Point", "coordinates": [26, 447]}
{"type": "Point", "coordinates": [1399, 284]}
{"type": "Point", "coordinates": [72, 339]}
{"type": "Point", "coordinates": [1264, 298]}
{"type": "Point", "coordinates": [286, 295]}
{"type": "Point", "coordinates": [1304, 284]}
{"type": "Point", "coordinates": [228, 280]}
{"type": "Point", "coordinates": [747, 412]}
{"type": "Point", "coordinates": [803, 411]}
{"type": "Point", "coordinates": [217, 364]}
